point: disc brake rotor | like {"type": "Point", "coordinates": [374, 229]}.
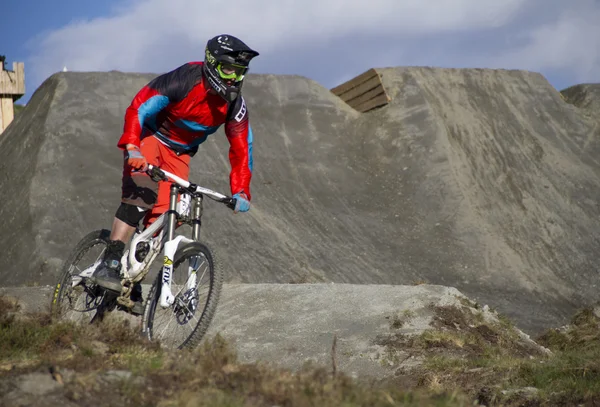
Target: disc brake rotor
{"type": "Point", "coordinates": [186, 306]}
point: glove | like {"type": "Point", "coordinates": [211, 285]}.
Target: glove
{"type": "Point", "coordinates": [242, 203]}
{"type": "Point", "coordinates": [135, 159]}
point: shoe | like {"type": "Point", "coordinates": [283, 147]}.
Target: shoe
{"type": "Point", "coordinates": [107, 275]}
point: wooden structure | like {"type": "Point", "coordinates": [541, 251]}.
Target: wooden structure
{"type": "Point", "coordinates": [12, 87]}
{"type": "Point", "coordinates": [364, 92]}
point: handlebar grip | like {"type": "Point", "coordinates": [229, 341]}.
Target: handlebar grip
{"type": "Point", "coordinates": [156, 174]}
{"type": "Point", "coordinates": [230, 203]}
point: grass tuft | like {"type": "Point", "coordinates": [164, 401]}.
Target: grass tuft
{"type": "Point", "coordinates": [466, 359]}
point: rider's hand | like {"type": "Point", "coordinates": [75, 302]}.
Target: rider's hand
{"type": "Point", "coordinates": [134, 158]}
{"type": "Point", "coordinates": [242, 204]}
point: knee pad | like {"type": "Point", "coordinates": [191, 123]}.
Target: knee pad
{"type": "Point", "coordinates": [130, 214]}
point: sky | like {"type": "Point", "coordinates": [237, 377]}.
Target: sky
{"type": "Point", "coordinates": [329, 41]}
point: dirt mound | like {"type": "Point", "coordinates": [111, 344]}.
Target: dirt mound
{"type": "Point", "coordinates": [485, 180]}
{"type": "Point", "coordinates": [584, 96]}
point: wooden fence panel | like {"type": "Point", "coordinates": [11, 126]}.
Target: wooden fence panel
{"type": "Point", "coordinates": [364, 92]}
{"type": "Point", "coordinates": [378, 101]}
{"type": "Point", "coordinates": [346, 86]}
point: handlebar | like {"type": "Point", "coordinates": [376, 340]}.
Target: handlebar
{"type": "Point", "coordinates": [158, 174]}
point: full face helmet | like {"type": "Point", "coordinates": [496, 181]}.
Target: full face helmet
{"type": "Point", "coordinates": [225, 64]}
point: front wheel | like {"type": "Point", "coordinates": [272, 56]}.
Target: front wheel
{"type": "Point", "coordinates": [75, 298]}
{"type": "Point", "coordinates": [196, 285]}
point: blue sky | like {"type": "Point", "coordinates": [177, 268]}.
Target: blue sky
{"type": "Point", "coordinates": [24, 20]}
{"type": "Point", "coordinates": [329, 41]}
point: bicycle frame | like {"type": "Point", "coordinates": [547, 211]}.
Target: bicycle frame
{"type": "Point", "coordinates": [160, 235]}
{"type": "Point", "coordinates": [187, 210]}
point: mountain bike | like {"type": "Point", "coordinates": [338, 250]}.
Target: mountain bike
{"type": "Point", "coordinates": [177, 293]}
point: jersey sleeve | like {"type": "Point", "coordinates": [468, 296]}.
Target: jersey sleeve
{"type": "Point", "coordinates": [239, 134]}
{"type": "Point", "coordinates": [163, 90]}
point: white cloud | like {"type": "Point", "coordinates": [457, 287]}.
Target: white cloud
{"type": "Point", "coordinates": [568, 43]}
{"type": "Point", "coordinates": [128, 40]}
{"type": "Point", "coordinates": [157, 35]}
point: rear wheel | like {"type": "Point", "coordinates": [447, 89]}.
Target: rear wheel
{"type": "Point", "coordinates": [196, 285]}
{"type": "Point", "coordinates": [75, 298]}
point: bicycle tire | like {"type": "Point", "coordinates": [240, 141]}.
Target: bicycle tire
{"type": "Point", "coordinates": [215, 279]}
{"type": "Point", "coordinates": [99, 236]}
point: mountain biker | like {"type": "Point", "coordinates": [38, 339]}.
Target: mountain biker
{"type": "Point", "coordinates": [164, 125]}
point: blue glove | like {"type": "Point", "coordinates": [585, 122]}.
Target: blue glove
{"type": "Point", "coordinates": [242, 204]}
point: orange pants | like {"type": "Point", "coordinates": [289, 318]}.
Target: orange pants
{"type": "Point", "coordinates": [140, 190]}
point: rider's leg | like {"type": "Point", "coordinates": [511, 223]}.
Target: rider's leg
{"type": "Point", "coordinates": [122, 230]}
{"type": "Point", "coordinates": [175, 164]}
{"type": "Point", "coordinates": [107, 274]}
{"type": "Point", "coordinates": [139, 194]}
{"type": "Point", "coordinates": [124, 225]}
{"type": "Point", "coordinates": [125, 222]}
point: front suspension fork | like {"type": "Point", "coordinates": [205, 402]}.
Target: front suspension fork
{"type": "Point", "coordinates": [166, 296]}
{"type": "Point", "coordinates": [170, 248]}
{"type": "Point", "coordinates": [197, 218]}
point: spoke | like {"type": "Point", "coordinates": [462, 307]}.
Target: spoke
{"type": "Point", "coordinates": [78, 303]}
{"type": "Point", "coordinates": [163, 331]}
{"type": "Point", "coordinates": [171, 316]}
{"type": "Point", "coordinates": [191, 300]}
{"type": "Point", "coordinates": [202, 276]}
{"type": "Point", "coordinates": [193, 316]}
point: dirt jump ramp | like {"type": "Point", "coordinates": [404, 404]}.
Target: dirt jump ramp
{"type": "Point", "coordinates": [484, 180]}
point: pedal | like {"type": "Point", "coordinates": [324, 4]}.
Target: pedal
{"type": "Point", "coordinates": [138, 308]}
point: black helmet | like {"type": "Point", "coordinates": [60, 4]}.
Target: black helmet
{"type": "Point", "coordinates": [225, 64]}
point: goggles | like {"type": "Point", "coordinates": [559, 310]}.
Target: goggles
{"type": "Point", "coordinates": [231, 71]}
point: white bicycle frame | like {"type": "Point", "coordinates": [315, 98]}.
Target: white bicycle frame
{"type": "Point", "coordinates": [134, 270]}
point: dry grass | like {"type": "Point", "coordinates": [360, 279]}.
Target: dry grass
{"type": "Point", "coordinates": [465, 359]}
{"type": "Point", "coordinates": [84, 360]}
{"type": "Point", "coordinates": [33, 339]}
{"type": "Point", "coordinates": [492, 364]}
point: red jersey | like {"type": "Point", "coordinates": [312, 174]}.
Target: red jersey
{"type": "Point", "coordinates": [177, 108]}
